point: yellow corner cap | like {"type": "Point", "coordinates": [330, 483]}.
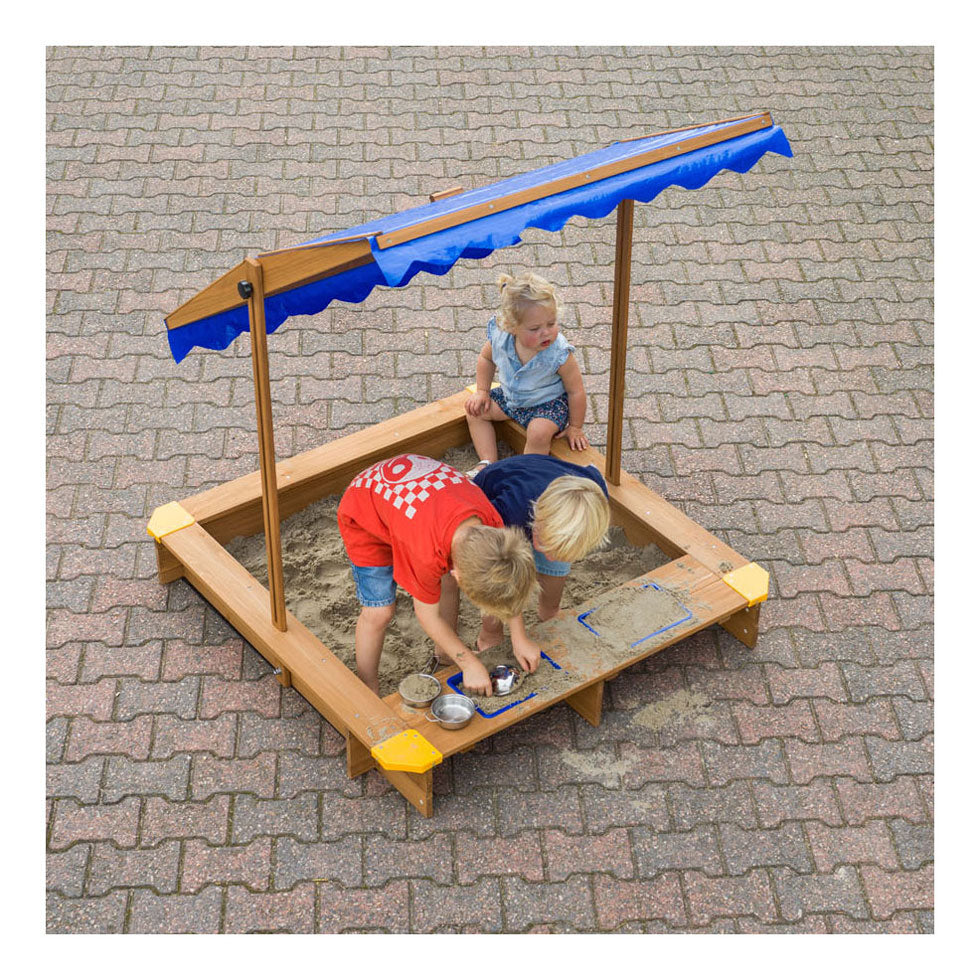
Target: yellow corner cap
{"type": "Point", "coordinates": [750, 581]}
{"type": "Point", "coordinates": [472, 388]}
{"type": "Point", "coordinates": [167, 519]}
{"type": "Point", "coordinates": [408, 751]}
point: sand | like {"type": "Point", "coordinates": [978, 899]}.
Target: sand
{"type": "Point", "coordinates": [320, 591]}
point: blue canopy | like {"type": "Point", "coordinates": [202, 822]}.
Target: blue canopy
{"type": "Point", "coordinates": [395, 264]}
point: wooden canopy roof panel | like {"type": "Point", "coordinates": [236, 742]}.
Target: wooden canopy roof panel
{"type": "Point", "coordinates": [290, 268]}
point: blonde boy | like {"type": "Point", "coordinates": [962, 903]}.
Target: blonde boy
{"type": "Point", "coordinates": [561, 507]}
{"type": "Point", "coordinates": [422, 524]}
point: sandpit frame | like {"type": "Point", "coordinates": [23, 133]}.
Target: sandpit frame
{"type": "Point", "coordinates": [719, 585]}
{"type": "Point", "coordinates": [196, 552]}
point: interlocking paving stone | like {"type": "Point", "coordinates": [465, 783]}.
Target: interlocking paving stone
{"type": "Point", "coordinates": [914, 843]}
{"type": "Point", "coordinates": [785, 403]}
{"type": "Point", "coordinates": [154, 868]}
{"type": "Point", "coordinates": [204, 864]}
{"type": "Point", "coordinates": [198, 913]}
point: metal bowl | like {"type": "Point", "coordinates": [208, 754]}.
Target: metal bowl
{"type": "Point", "coordinates": [452, 710]}
{"type": "Point", "coordinates": [434, 687]}
{"type": "Point", "coordinates": [504, 679]}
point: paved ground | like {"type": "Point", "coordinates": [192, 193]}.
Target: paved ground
{"type": "Point", "coordinates": [780, 392]}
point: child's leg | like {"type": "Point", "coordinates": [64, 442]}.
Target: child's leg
{"type": "Point", "coordinates": [483, 434]}
{"type": "Point", "coordinates": [491, 633]}
{"type": "Point", "coordinates": [376, 593]}
{"type": "Point", "coordinates": [369, 636]}
{"type": "Point", "coordinates": [549, 598]}
{"type": "Point", "coordinates": [540, 432]}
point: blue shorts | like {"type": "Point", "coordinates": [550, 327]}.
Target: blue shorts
{"type": "Point", "coordinates": [545, 566]}
{"type": "Point", "coordinates": [375, 585]}
{"type": "Point", "coordinates": [555, 411]}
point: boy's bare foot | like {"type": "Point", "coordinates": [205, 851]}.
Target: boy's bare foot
{"type": "Point", "coordinates": [476, 469]}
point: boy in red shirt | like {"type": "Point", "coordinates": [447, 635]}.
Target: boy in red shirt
{"type": "Point", "coordinates": [411, 520]}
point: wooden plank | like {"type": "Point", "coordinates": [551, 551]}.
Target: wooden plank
{"type": "Point", "coordinates": [744, 625]}
{"type": "Point", "coordinates": [267, 447]}
{"type": "Point", "coordinates": [681, 129]}
{"type": "Point", "coordinates": [168, 569]}
{"type": "Point", "coordinates": [448, 192]}
{"type": "Point", "coordinates": [283, 270]}
{"type": "Point", "coordinates": [317, 674]}
{"type": "Point", "coordinates": [588, 702]}
{"type": "Point", "coordinates": [359, 758]}
{"type": "Point", "coordinates": [617, 355]}
{"type": "Point", "coordinates": [416, 787]}
{"type": "Point", "coordinates": [221, 295]}
{"type": "Point", "coordinates": [709, 599]}
{"type": "Point", "coordinates": [234, 508]}
{"type": "Point", "coordinates": [476, 211]}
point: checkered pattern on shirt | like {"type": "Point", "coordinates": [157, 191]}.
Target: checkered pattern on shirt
{"type": "Point", "coordinates": [408, 494]}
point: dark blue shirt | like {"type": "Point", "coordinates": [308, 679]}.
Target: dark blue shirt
{"type": "Point", "coordinates": [514, 483]}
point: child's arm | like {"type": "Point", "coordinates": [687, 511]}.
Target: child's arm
{"type": "Point", "coordinates": [485, 370]}
{"type": "Point", "coordinates": [527, 652]}
{"type": "Point", "coordinates": [475, 676]}
{"type": "Point", "coordinates": [571, 376]}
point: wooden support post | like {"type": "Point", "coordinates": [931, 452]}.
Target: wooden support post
{"type": "Point", "coordinates": [744, 625]}
{"type": "Point", "coordinates": [617, 360]}
{"type": "Point", "coordinates": [588, 702]}
{"type": "Point", "coordinates": [267, 449]}
{"type": "Point", "coordinates": [359, 758]}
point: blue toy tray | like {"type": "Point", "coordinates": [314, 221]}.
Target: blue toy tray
{"type": "Point", "coordinates": [663, 629]}
{"type": "Point", "coordinates": [454, 682]}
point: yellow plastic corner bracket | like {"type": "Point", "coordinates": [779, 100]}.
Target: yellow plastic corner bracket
{"type": "Point", "coordinates": [750, 581]}
{"type": "Point", "coordinates": [472, 388]}
{"type": "Point", "coordinates": [167, 519]}
{"type": "Point", "coordinates": [408, 751]}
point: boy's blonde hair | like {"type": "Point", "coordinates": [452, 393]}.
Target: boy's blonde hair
{"type": "Point", "coordinates": [495, 568]}
{"type": "Point", "coordinates": [571, 518]}
{"type": "Point", "coordinates": [516, 295]}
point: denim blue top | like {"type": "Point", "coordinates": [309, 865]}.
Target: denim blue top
{"type": "Point", "coordinates": [528, 384]}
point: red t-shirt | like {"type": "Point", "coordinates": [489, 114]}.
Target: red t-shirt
{"type": "Point", "coordinates": [403, 512]}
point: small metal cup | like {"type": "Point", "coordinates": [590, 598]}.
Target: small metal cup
{"type": "Point", "coordinates": [451, 710]}
{"type": "Point", "coordinates": [435, 686]}
{"type": "Point", "coordinates": [504, 679]}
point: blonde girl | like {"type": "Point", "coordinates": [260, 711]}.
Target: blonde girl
{"type": "Point", "coordinates": [541, 385]}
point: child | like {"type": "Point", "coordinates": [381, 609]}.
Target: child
{"type": "Point", "coordinates": [412, 520]}
{"type": "Point", "coordinates": [561, 507]}
{"type": "Point", "coordinates": [540, 383]}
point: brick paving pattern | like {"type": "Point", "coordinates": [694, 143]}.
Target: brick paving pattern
{"type": "Point", "coordinates": [779, 390]}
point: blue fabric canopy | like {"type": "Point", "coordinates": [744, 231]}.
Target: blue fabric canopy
{"type": "Point", "coordinates": [476, 238]}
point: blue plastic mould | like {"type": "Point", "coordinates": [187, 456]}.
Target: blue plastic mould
{"type": "Point", "coordinates": [663, 629]}
{"type": "Point", "coordinates": [453, 682]}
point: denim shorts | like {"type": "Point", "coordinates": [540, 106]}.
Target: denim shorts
{"type": "Point", "coordinates": [546, 566]}
{"type": "Point", "coordinates": [554, 411]}
{"type": "Point", "coordinates": [375, 585]}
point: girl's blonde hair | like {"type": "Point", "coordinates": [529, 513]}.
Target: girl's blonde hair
{"type": "Point", "coordinates": [495, 568]}
{"type": "Point", "coordinates": [516, 295]}
{"type": "Point", "coordinates": [571, 518]}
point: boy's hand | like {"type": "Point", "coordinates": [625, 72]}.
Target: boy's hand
{"type": "Point", "coordinates": [527, 652]}
{"type": "Point", "coordinates": [477, 404]}
{"type": "Point", "coordinates": [576, 437]}
{"type": "Point", "coordinates": [475, 676]}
